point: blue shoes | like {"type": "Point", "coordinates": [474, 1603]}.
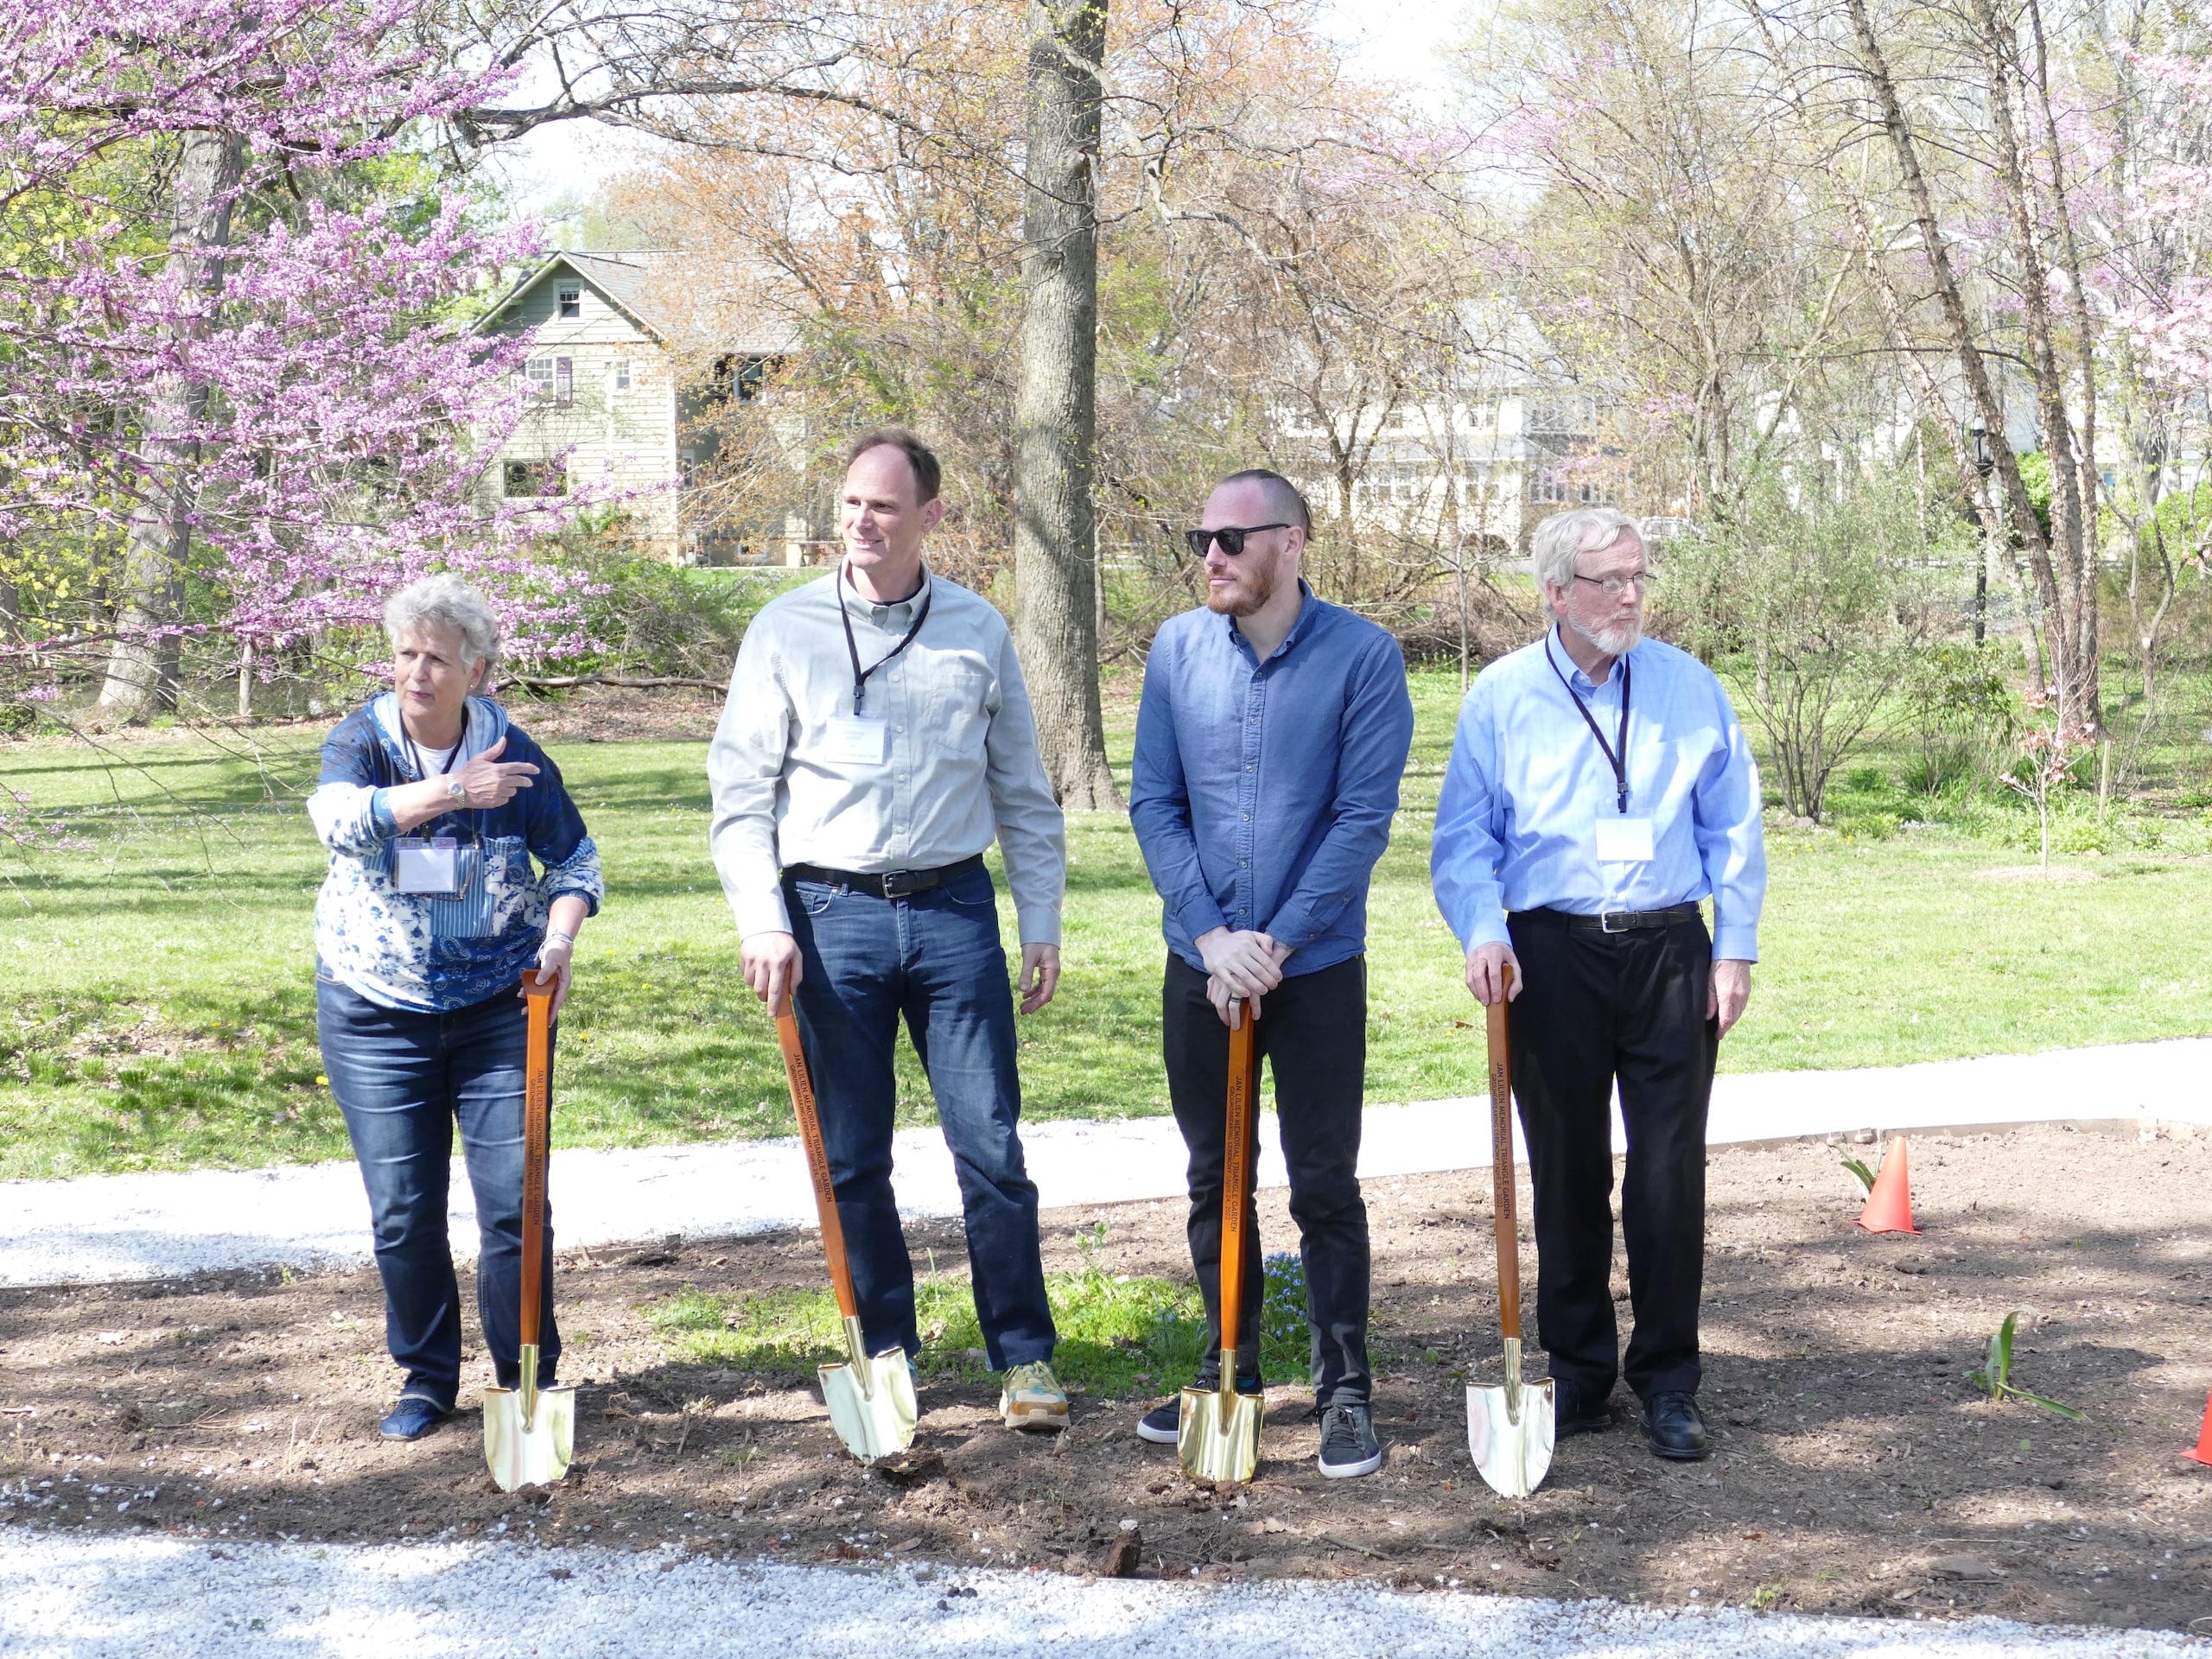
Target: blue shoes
{"type": "Point", "coordinates": [412, 1418]}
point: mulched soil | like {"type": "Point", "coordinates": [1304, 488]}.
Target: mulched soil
{"type": "Point", "coordinates": [1858, 1471]}
{"type": "Point", "coordinates": [611, 715]}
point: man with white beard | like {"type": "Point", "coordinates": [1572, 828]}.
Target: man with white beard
{"type": "Point", "coordinates": [1599, 788]}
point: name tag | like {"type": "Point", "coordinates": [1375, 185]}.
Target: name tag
{"type": "Point", "coordinates": [858, 741]}
{"type": "Point", "coordinates": [427, 865]}
{"type": "Point", "coordinates": [1623, 841]}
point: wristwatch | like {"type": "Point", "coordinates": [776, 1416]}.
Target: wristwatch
{"type": "Point", "coordinates": [454, 788]}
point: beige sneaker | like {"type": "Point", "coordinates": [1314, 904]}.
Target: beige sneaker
{"type": "Point", "coordinates": [1033, 1399]}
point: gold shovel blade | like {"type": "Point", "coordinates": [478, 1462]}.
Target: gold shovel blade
{"type": "Point", "coordinates": [872, 1407]}
{"type": "Point", "coordinates": [1217, 1437]}
{"type": "Point", "coordinates": [1512, 1449]}
{"type": "Point", "coordinates": [532, 1452]}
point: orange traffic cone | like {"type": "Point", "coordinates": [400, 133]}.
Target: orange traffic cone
{"type": "Point", "coordinates": [2203, 1450]}
{"type": "Point", "coordinates": [1889, 1206]}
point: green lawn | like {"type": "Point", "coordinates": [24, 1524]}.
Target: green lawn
{"type": "Point", "coordinates": [1119, 1335]}
{"type": "Point", "coordinates": [159, 1014]}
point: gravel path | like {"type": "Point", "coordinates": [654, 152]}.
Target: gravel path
{"type": "Point", "coordinates": [112, 1228]}
{"type": "Point", "coordinates": [76, 1598]}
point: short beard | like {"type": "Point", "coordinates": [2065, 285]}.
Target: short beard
{"type": "Point", "coordinates": [1616, 641]}
{"type": "Point", "coordinates": [1258, 587]}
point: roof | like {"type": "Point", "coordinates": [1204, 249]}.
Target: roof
{"type": "Point", "coordinates": [680, 301]}
{"type": "Point", "coordinates": [620, 279]}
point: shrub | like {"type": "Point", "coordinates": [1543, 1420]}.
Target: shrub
{"type": "Point", "coordinates": [1816, 593]}
{"type": "Point", "coordinates": [1962, 714]}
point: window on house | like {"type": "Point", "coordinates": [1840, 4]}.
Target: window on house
{"type": "Point", "coordinates": [535, 478]}
{"type": "Point", "coordinates": [744, 379]}
{"type": "Point", "coordinates": [538, 374]}
{"type": "Point", "coordinates": [568, 299]}
{"type": "Point", "coordinates": [1564, 416]}
{"type": "Point", "coordinates": [564, 382]}
{"type": "Point", "coordinates": [1569, 486]}
{"type": "Point", "coordinates": [618, 374]}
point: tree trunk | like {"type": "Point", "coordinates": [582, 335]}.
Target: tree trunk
{"type": "Point", "coordinates": [2062, 564]}
{"type": "Point", "coordinates": [141, 669]}
{"type": "Point", "coordinates": [1055, 521]}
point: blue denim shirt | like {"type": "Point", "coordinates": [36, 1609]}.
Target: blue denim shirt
{"type": "Point", "coordinates": [1263, 791]}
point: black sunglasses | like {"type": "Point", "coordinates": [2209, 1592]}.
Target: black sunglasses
{"type": "Point", "coordinates": [1231, 537]}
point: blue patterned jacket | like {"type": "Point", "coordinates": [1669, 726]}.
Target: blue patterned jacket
{"type": "Point", "coordinates": [428, 954]}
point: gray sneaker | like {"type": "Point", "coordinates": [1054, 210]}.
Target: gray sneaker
{"type": "Point", "coordinates": [1348, 1444]}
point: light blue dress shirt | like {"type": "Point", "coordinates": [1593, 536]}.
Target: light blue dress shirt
{"type": "Point", "coordinates": [1263, 792]}
{"type": "Point", "coordinates": [1517, 822]}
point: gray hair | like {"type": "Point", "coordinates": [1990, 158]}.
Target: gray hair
{"type": "Point", "coordinates": [446, 602]}
{"type": "Point", "coordinates": [1562, 540]}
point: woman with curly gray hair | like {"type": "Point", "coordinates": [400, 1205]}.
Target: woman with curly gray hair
{"type": "Point", "coordinates": [435, 805]}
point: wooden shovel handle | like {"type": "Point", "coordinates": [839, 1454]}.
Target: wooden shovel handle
{"type": "Point", "coordinates": [1236, 1182]}
{"type": "Point", "coordinates": [536, 1147]}
{"type": "Point", "coordinates": [1500, 1160]}
{"type": "Point", "coordinates": [818, 1160]}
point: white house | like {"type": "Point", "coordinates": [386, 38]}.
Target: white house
{"type": "Point", "coordinates": [615, 408]}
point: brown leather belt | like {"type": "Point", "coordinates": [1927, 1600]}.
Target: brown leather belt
{"type": "Point", "coordinates": [887, 884]}
{"type": "Point", "coordinates": [1612, 921]}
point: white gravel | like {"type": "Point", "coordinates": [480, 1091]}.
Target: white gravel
{"type": "Point", "coordinates": [105, 1229]}
{"type": "Point", "coordinates": [73, 1597]}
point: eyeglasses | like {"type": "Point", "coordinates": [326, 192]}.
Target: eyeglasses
{"type": "Point", "coordinates": [1614, 587]}
{"type": "Point", "coordinates": [1231, 537]}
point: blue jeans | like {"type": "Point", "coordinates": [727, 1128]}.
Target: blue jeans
{"type": "Point", "coordinates": [403, 1080]}
{"type": "Point", "coordinates": [935, 958]}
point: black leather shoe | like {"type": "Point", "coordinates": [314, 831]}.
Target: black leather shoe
{"type": "Point", "coordinates": [1574, 1412]}
{"type": "Point", "coordinates": [1674, 1427]}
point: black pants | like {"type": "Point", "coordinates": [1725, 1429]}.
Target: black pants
{"type": "Point", "coordinates": [1313, 1032]}
{"type": "Point", "coordinates": [1595, 1007]}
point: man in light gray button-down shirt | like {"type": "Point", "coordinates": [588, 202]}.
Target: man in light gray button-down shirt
{"type": "Point", "coordinates": [877, 739]}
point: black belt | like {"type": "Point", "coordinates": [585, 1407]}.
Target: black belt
{"type": "Point", "coordinates": [1613, 921]}
{"type": "Point", "coordinates": [888, 884]}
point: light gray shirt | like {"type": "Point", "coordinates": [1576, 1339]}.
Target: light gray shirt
{"type": "Point", "coordinates": [959, 765]}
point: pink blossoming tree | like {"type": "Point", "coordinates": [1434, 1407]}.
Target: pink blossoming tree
{"type": "Point", "coordinates": [235, 309]}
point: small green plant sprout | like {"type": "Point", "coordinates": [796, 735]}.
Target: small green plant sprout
{"type": "Point", "coordinates": [1857, 1166]}
{"type": "Point", "coordinates": [1995, 1376]}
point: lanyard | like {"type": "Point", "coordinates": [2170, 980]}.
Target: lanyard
{"type": "Point", "coordinates": [416, 754]}
{"type": "Point", "coordinates": [852, 646]}
{"type": "Point", "coordinates": [453, 757]}
{"type": "Point", "coordinates": [1617, 755]}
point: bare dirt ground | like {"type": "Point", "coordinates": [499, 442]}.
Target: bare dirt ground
{"type": "Point", "coordinates": [1858, 1470]}
{"type": "Point", "coordinates": [611, 715]}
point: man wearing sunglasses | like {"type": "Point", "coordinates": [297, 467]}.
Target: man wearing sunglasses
{"type": "Point", "coordinates": [1599, 788]}
{"type": "Point", "coordinates": [1271, 737]}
